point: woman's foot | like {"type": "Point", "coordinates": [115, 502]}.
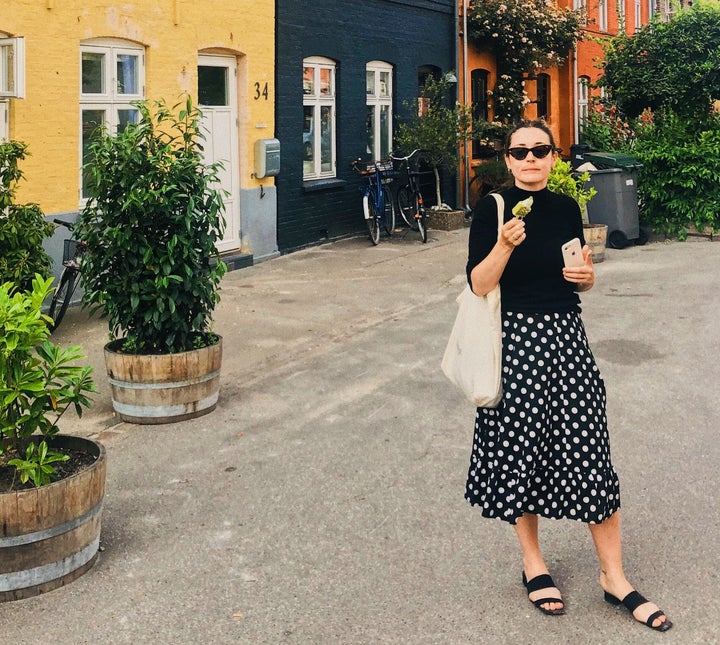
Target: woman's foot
{"type": "Point", "coordinates": [642, 610]}
{"type": "Point", "coordinates": [543, 593]}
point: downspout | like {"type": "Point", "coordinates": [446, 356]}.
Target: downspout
{"type": "Point", "coordinates": [466, 151]}
{"type": "Point", "coordinates": [576, 116]}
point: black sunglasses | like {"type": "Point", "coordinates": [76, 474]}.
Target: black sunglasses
{"type": "Point", "coordinates": [539, 152]}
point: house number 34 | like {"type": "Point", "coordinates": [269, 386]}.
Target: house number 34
{"type": "Point", "coordinates": [261, 90]}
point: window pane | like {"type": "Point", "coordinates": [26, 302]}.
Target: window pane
{"type": "Point", "coordinates": [384, 83]}
{"type": "Point", "coordinates": [212, 85]}
{"type": "Point", "coordinates": [7, 68]}
{"type": "Point", "coordinates": [326, 139]}
{"type": "Point", "coordinates": [308, 80]}
{"type": "Point", "coordinates": [127, 74]}
{"type": "Point", "coordinates": [370, 130]}
{"type": "Point", "coordinates": [126, 117]}
{"type": "Point", "coordinates": [384, 131]}
{"type": "Point", "coordinates": [91, 121]}
{"type": "Point", "coordinates": [326, 82]}
{"type": "Point", "coordinates": [308, 141]}
{"type": "Point", "coordinates": [93, 73]}
{"type": "Point", "coordinates": [370, 83]}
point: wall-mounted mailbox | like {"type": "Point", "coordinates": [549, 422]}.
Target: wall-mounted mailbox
{"type": "Point", "coordinates": [267, 158]}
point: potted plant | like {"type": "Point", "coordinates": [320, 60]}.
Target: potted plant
{"type": "Point", "coordinates": [154, 215]}
{"type": "Point", "coordinates": [565, 181]}
{"type": "Point", "coordinates": [491, 175]}
{"type": "Point", "coordinates": [22, 226]}
{"type": "Point", "coordinates": [51, 486]}
{"type": "Point", "coordinates": [437, 130]}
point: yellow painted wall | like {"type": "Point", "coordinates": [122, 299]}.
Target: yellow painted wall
{"type": "Point", "coordinates": [172, 32]}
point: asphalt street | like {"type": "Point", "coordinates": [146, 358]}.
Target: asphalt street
{"type": "Point", "coordinates": [322, 501]}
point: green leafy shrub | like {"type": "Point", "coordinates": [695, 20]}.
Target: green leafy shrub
{"type": "Point", "coordinates": [437, 129]}
{"type": "Point", "coordinates": [22, 226]}
{"type": "Point", "coordinates": [564, 181]}
{"type": "Point", "coordinates": [679, 183]}
{"type": "Point", "coordinates": [37, 382]}
{"type": "Point", "coordinates": [605, 129]}
{"type": "Point", "coordinates": [491, 175]}
{"type": "Point", "coordinates": [151, 226]}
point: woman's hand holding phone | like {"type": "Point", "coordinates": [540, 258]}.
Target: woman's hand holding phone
{"type": "Point", "coordinates": [578, 265]}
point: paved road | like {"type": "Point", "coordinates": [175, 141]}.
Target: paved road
{"type": "Point", "coordinates": [322, 501]}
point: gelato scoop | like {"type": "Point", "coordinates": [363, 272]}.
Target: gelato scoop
{"type": "Point", "coordinates": [521, 209]}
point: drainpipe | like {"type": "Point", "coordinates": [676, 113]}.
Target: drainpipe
{"type": "Point", "coordinates": [465, 102]}
{"type": "Point", "coordinates": [576, 116]}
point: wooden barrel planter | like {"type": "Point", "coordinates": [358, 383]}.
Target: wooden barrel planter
{"type": "Point", "coordinates": [164, 388]}
{"type": "Point", "coordinates": [49, 536]}
{"type": "Point", "coordinates": [596, 239]}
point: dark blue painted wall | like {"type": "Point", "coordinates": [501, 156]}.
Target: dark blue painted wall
{"type": "Point", "coordinates": [405, 33]}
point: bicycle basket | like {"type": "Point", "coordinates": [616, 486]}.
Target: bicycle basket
{"type": "Point", "coordinates": [71, 250]}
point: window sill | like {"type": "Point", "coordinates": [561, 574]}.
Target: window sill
{"type": "Point", "coordinates": [323, 184]}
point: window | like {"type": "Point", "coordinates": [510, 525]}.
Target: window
{"type": "Point", "coordinates": [424, 71]}
{"type": "Point", "coordinates": [581, 5]}
{"type": "Point", "coordinates": [378, 121]}
{"type": "Point", "coordinates": [12, 68]}
{"type": "Point", "coordinates": [479, 99]}
{"type": "Point", "coordinates": [543, 96]}
{"type": "Point", "coordinates": [638, 15]}
{"type": "Point", "coordinates": [602, 15]}
{"type": "Point", "coordinates": [583, 96]}
{"type": "Point", "coordinates": [112, 76]}
{"type": "Point", "coordinates": [621, 14]}
{"type": "Point", "coordinates": [318, 118]}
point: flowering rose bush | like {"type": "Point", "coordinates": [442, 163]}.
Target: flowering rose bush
{"type": "Point", "coordinates": [525, 36]}
{"type": "Point", "coordinates": [606, 129]}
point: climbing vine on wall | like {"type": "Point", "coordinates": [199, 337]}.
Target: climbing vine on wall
{"type": "Point", "coordinates": [525, 36]}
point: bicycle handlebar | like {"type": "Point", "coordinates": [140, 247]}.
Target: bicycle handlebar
{"type": "Point", "coordinates": [67, 225]}
{"type": "Point", "coordinates": [412, 154]}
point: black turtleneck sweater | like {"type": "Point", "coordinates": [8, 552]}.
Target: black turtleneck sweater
{"type": "Point", "coordinates": [532, 281]}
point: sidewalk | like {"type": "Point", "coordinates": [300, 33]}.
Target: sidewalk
{"type": "Point", "coordinates": [322, 502]}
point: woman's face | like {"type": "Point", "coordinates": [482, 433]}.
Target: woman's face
{"type": "Point", "coordinates": [530, 173]}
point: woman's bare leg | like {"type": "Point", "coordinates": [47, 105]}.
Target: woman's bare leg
{"type": "Point", "coordinates": [533, 562]}
{"type": "Point", "coordinates": [608, 544]}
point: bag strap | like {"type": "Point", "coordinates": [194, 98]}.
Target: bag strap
{"type": "Point", "coordinates": [501, 211]}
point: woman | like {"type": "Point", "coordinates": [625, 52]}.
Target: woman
{"type": "Point", "coordinates": [544, 450]}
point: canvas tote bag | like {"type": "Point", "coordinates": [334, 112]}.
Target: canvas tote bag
{"type": "Point", "coordinates": [473, 356]}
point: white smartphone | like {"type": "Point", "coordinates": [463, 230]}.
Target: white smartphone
{"type": "Point", "coordinates": [572, 253]}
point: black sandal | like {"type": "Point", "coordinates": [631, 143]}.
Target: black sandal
{"type": "Point", "coordinates": [632, 601]}
{"type": "Point", "coordinates": [543, 581]}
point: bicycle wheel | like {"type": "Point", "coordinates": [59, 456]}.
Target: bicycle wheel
{"type": "Point", "coordinates": [389, 219]}
{"type": "Point", "coordinates": [61, 300]}
{"type": "Point", "coordinates": [407, 202]}
{"type": "Point", "coordinates": [422, 224]}
{"type": "Point", "coordinates": [373, 222]}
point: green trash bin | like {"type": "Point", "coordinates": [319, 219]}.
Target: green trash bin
{"type": "Point", "coordinates": [616, 202]}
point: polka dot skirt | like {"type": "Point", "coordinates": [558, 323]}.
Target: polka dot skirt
{"type": "Point", "coordinates": [545, 450]}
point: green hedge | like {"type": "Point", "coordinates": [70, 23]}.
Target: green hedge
{"type": "Point", "coordinates": [679, 184]}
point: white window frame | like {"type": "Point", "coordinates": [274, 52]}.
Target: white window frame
{"type": "Point", "coordinates": [583, 100]}
{"type": "Point", "coordinates": [376, 100]}
{"type": "Point", "coordinates": [602, 15]}
{"type": "Point", "coordinates": [109, 100]}
{"type": "Point", "coordinates": [638, 15]}
{"type": "Point", "coordinates": [12, 68]}
{"type": "Point", "coordinates": [581, 5]}
{"type": "Point", "coordinates": [317, 100]}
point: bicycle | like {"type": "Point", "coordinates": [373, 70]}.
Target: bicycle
{"type": "Point", "coordinates": [378, 207]}
{"type": "Point", "coordinates": [69, 279]}
{"type": "Point", "coordinates": [410, 199]}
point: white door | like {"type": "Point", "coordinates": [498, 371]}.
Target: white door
{"type": "Point", "coordinates": [217, 98]}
